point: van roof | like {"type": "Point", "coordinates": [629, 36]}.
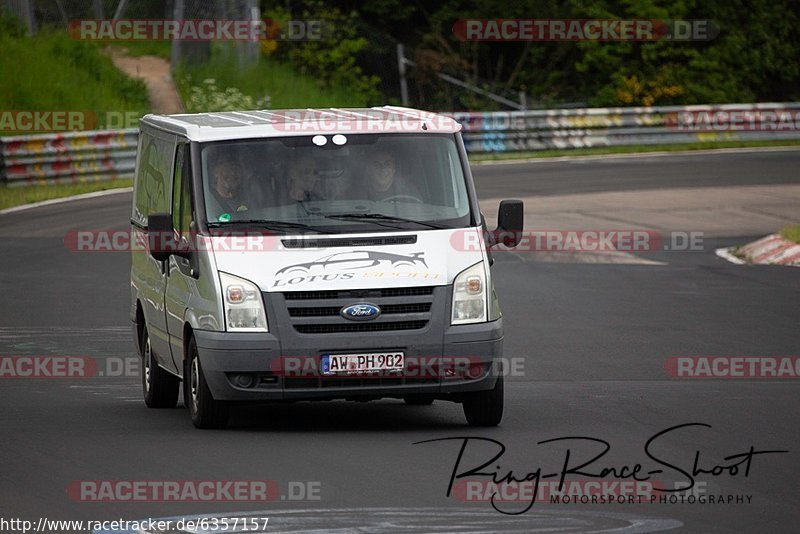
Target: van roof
{"type": "Point", "coordinates": [226, 125]}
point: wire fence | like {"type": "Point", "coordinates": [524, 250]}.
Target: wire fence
{"type": "Point", "coordinates": [39, 14]}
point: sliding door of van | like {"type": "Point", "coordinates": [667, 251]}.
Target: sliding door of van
{"type": "Point", "coordinates": [181, 280]}
{"type": "Point", "coordinates": [153, 194]}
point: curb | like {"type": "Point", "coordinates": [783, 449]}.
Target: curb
{"type": "Point", "coordinates": [727, 254]}
{"type": "Point", "coordinates": [770, 250]}
{"type": "Point", "coordinates": [82, 196]}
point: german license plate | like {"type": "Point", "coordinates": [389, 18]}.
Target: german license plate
{"type": "Point", "coordinates": [335, 364]}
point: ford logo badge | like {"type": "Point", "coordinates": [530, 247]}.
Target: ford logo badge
{"type": "Point", "coordinates": [360, 312]}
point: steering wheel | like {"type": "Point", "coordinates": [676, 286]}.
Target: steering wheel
{"type": "Point", "coordinates": [403, 198]}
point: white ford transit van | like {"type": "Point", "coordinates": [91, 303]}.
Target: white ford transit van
{"type": "Point", "coordinates": [313, 255]}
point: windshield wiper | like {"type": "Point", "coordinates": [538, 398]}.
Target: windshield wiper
{"type": "Point", "coordinates": [374, 217]}
{"type": "Point", "coordinates": [269, 225]}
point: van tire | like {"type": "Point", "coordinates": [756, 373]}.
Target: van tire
{"type": "Point", "coordinates": [204, 410]}
{"type": "Point", "coordinates": [485, 408]}
{"type": "Point", "coordinates": [160, 388]}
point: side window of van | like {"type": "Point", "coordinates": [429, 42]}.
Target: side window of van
{"type": "Point", "coordinates": [182, 196]}
{"type": "Point", "coordinates": [154, 165]}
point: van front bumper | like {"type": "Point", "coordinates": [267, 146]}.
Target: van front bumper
{"type": "Point", "coordinates": [256, 367]}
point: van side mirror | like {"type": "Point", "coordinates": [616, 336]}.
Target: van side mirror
{"type": "Point", "coordinates": [161, 236]}
{"type": "Point", "coordinates": [510, 217]}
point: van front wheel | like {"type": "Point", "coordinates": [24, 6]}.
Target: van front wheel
{"type": "Point", "coordinates": [485, 408]}
{"type": "Point", "coordinates": [205, 411]}
{"type": "Point", "coordinates": [160, 388]}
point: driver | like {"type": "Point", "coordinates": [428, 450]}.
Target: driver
{"type": "Point", "coordinates": [382, 180]}
{"type": "Point", "coordinates": [227, 195]}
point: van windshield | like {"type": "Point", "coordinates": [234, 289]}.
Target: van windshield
{"type": "Point", "coordinates": [336, 183]}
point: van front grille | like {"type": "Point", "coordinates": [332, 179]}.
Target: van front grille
{"type": "Point", "coordinates": [318, 312]}
{"type": "Point", "coordinates": [389, 309]}
{"type": "Point", "coordinates": [349, 242]}
{"type": "Point", "coordinates": [358, 327]}
{"type": "Point", "coordinates": [359, 293]}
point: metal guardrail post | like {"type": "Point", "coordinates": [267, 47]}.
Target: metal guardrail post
{"type": "Point", "coordinates": [68, 157]}
{"type": "Point", "coordinates": [661, 125]}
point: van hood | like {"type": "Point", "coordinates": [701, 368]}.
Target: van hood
{"type": "Point", "coordinates": [429, 258]}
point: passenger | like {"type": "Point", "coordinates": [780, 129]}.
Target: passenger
{"type": "Point", "coordinates": [303, 180]}
{"type": "Point", "coordinates": [383, 182]}
{"type": "Point", "coordinates": [335, 179]}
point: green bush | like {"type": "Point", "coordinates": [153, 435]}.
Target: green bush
{"type": "Point", "coordinates": [331, 60]}
{"type": "Point", "coordinates": [209, 97]}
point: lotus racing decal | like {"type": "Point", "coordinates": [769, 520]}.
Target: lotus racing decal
{"type": "Point", "coordinates": [360, 259]}
{"type": "Point", "coordinates": [348, 265]}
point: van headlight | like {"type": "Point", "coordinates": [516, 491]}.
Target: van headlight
{"type": "Point", "coordinates": [469, 296]}
{"type": "Point", "coordinates": [244, 307]}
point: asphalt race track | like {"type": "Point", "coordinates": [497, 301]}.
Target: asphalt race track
{"type": "Point", "coordinates": [588, 340]}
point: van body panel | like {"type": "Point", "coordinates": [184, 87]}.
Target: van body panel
{"type": "Point", "coordinates": [225, 355]}
{"type": "Point", "coordinates": [227, 125]}
{"type": "Point", "coordinates": [435, 258]}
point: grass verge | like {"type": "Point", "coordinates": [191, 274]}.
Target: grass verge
{"type": "Point", "coordinates": [502, 156]}
{"type": "Point", "coordinates": [52, 71]}
{"type": "Point", "coordinates": [792, 233]}
{"type": "Point", "coordinates": [17, 196]}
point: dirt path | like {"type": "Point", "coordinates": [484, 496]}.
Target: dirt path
{"type": "Point", "coordinates": [155, 72]}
